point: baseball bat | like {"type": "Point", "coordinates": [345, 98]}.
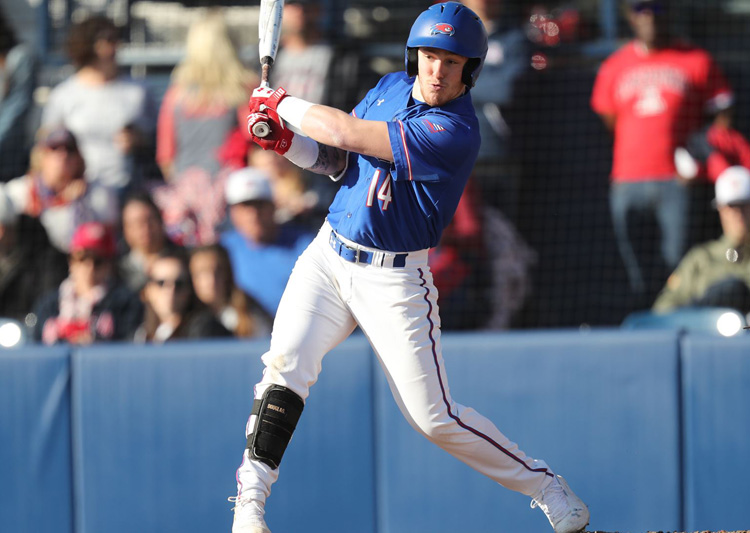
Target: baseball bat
{"type": "Point", "coordinates": [269, 30]}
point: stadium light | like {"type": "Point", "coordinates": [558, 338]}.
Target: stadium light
{"type": "Point", "coordinates": [729, 324]}
{"type": "Point", "coordinates": [11, 333]}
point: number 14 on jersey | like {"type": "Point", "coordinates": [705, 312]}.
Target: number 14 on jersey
{"type": "Point", "coordinates": [383, 192]}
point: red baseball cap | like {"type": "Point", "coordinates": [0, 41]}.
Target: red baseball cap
{"type": "Point", "coordinates": [93, 237]}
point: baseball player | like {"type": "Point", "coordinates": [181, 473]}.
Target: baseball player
{"type": "Point", "coordinates": [403, 156]}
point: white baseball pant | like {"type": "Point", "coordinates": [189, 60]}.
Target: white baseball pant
{"type": "Point", "coordinates": [396, 308]}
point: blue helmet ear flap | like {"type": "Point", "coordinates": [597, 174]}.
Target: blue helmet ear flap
{"type": "Point", "coordinates": [412, 62]}
{"type": "Point", "coordinates": [471, 71]}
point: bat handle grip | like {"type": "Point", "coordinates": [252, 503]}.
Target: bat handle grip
{"type": "Point", "coordinates": [261, 129]}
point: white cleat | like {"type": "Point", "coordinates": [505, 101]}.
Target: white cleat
{"type": "Point", "coordinates": [248, 516]}
{"type": "Point", "coordinates": [565, 511]}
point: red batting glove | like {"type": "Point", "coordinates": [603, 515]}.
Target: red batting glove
{"type": "Point", "coordinates": [265, 98]}
{"type": "Point", "coordinates": [279, 139]}
{"type": "Point", "coordinates": [258, 98]}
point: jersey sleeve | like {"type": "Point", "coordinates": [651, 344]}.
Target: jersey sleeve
{"type": "Point", "coordinates": [602, 95]}
{"type": "Point", "coordinates": [430, 147]}
{"type": "Point", "coordinates": [719, 94]}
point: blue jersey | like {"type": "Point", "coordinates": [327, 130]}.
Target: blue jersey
{"type": "Point", "coordinates": [405, 205]}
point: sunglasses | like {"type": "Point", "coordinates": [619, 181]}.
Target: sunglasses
{"type": "Point", "coordinates": [178, 284]}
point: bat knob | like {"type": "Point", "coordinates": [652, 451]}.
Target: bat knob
{"type": "Point", "coordinates": [261, 129]}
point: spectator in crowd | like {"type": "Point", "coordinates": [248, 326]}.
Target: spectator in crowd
{"type": "Point", "coordinates": [717, 273]}
{"type": "Point", "coordinates": [310, 66]}
{"type": "Point", "coordinates": [460, 266]}
{"type": "Point", "coordinates": [262, 251]}
{"type": "Point", "coordinates": [206, 100]}
{"type": "Point", "coordinates": [211, 272]}
{"type": "Point", "coordinates": [192, 207]}
{"type": "Point", "coordinates": [653, 93]}
{"type": "Point", "coordinates": [145, 237]}
{"type": "Point", "coordinates": [29, 265]}
{"type": "Point", "coordinates": [707, 153]}
{"type": "Point", "coordinates": [111, 115]}
{"type": "Point", "coordinates": [172, 309]}
{"type": "Point", "coordinates": [18, 71]}
{"type": "Point", "coordinates": [295, 200]}
{"type": "Point", "coordinates": [713, 149]}
{"type": "Point", "coordinates": [90, 304]}
{"type": "Point", "coordinates": [55, 189]}
{"type": "Point", "coordinates": [508, 59]}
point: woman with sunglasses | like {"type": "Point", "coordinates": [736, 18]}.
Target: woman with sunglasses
{"type": "Point", "coordinates": [90, 305]}
{"type": "Point", "coordinates": [172, 310]}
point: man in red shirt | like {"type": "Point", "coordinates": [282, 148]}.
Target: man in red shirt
{"type": "Point", "coordinates": [653, 93]}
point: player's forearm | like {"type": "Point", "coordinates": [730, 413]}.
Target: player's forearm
{"type": "Point", "coordinates": [335, 128]}
{"type": "Point", "coordinates": [332, 127]}
{"type": "Point", "coordinates": [330, 160]}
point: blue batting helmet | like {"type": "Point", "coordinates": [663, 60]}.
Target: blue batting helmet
{"type": "Point", "coordinates": [453, 27]}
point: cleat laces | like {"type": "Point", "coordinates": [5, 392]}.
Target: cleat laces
{"type": "Point", "coordinates": [553, 501]}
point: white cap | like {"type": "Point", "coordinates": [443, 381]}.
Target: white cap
{"type": "Point", "coordinates": [247, 184]}
{"type": "Point", "coordinates": [733, 186]}
{"type": "Point", "coordinates": [8, 214]}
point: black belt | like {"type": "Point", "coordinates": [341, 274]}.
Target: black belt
{"type": "Point", "coordinates": [355, 255]}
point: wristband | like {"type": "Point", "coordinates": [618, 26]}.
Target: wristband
{"type": "Point", "coordinates": [293, 110]}
{"type": "Point", "coordinates": [303, 152]}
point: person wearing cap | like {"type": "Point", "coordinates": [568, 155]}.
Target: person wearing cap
{"type": "Point", "coordinates": [717, 273]}
{"type": "Point", "coordinates": [403, 156]}
{"type": "Point", "coordinates": [90, 305]}
{"type": "Point", "coordinates": [29, 265]}
{"type": "Point", "coordinates": [262, 251]}
{"type": "Point", "coordinates": [653, 93]}
{"type": "Point", "coordinates": [55, 190]}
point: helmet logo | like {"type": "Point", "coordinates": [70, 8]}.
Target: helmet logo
{"type": "Point", "coordinates": [442, 28]}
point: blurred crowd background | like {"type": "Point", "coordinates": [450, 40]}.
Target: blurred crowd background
{"type": "Point", "coordinates": [134, 207]}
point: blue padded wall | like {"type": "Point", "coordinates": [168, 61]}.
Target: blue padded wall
{"type": "Point", "coordinates": [160, 432]}
{"type": "Point", "coordinates": [601, 408]}
{"type": "Point", "coordinates": [35, 450]}
{"type": "Point", "coordinates": [716, 392]}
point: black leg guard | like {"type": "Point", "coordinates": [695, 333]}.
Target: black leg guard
{"type": "Point", "coordinates": [277, 414]}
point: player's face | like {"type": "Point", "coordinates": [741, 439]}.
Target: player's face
{"type": "Point", "coordinates": [439, 79]}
